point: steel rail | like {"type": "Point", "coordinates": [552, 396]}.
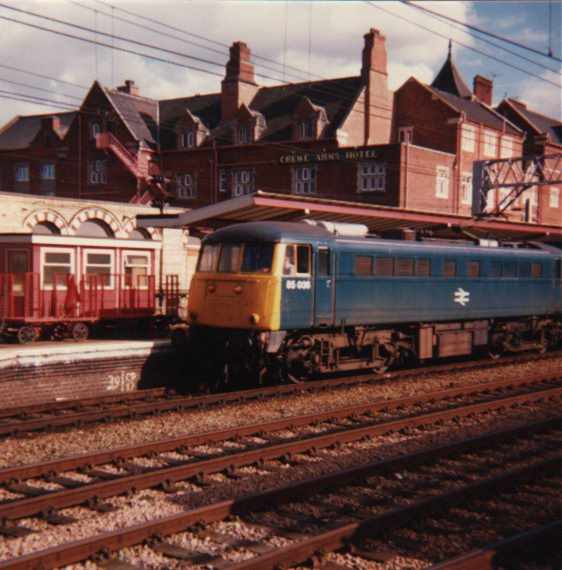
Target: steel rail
{"type": "Point", "coordinates": [489, 557]}
{"type": "Point", "coordinates": [355, 531]}
{"type": "Point", "coordinates": [68, 414]}
{"type": "Point", "coordinates": [112, 541]}
{"type": "Point", "coordinates": [167, 476]}
{"type": "Point", "coordinates": [120, 453]}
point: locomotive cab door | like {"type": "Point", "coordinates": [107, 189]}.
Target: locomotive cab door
{"type": "Point", "coordinates": [324, 287]}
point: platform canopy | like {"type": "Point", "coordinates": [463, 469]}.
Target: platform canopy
{"type": "Point", "coordinates": [263, 206]}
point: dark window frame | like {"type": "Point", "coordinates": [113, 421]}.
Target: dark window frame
{"type": "Point", "coordinates": [382, 264]}
{"type": "Point", "coordinates": [447, 265]}
{"type": "Point", "coordinates": [363, 270]}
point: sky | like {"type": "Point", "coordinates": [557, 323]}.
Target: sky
{"type": "Point", "coordinates": [290, 41]}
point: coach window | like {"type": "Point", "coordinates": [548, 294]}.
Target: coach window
{"type": "Point", "coordinates": [136, 268]}
{"type": "Point", "coordinates": [323, 262]}
{"type": "Point", "coordinates": [423, 267]}
{"type": "Point", "coordinates": [404, 267]}
{"type": "Point", "coordinates": [297, 260]}
{"type": "Point", "coordinates": [473, 269]}
{"type": "Point", "coordinates": [536, 270]}
{"type": "Point", "coordinates": [363, 265]}
{"type": "Point", "coordinates": [56, 264]}
{"type": "Point", "coordinates": [100, 264]}
{"type": "Point", "coordinates": [384, 266]}
{"type": "Point", "coordinates": [449, 268]}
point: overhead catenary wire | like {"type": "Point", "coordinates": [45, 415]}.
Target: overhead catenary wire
{"type": "Point", "coordinates": [466, 46]}
{"type": "Point", "coordinates": [42, 76]}
{"type": "Point", "coordinates": [423, 8]}
{"type": "Point", "coordinates": [459, 26]}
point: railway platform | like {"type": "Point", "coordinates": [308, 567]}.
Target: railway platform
{"type": "Point", "coordinates": [48, 372]}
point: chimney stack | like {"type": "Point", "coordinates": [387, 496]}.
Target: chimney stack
{"type": "Point", "coordinates": [129, 88]}
{"type": "Point", "coordinates": [239, 84]}
{"type": "Point", "coordinates": [51, 123]}
{"type": "Point", "coordinates": [378, 98]}
{"type": "Point", "coordinates": [483, 89]}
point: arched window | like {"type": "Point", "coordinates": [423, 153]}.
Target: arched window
{"type": "Point", "coordinates": [45, 229]}
{"type": "Point", "coordinates": [95, 129]}
{"type": "Point", "coordinates": [139, 233]}
{"type": "Point", "coordinates": [95, 228]}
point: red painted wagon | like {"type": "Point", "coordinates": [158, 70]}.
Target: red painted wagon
{"type": "Point", "coordinates": [32, 306]}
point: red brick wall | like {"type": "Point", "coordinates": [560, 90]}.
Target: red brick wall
{"type": "Point", "coordinates": [25, 385]}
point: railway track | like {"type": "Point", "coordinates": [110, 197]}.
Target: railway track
{"type": "Point", "coordinates": [111, 473]}
{"type": "Point", "coordinates": [367, 512]}
{"type": "Point", "coordinates": [60, 415]}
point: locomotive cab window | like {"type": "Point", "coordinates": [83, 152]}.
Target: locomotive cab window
{"type": "Point", "coordinates": [209, 258]}
{"type": "Point", "coordinates": [257, 258]}
{"type": "Point", "coordinates": [297, 260]}
{"type": "Point", "coordinates": [229, 260]}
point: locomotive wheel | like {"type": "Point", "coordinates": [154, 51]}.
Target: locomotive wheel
{"type": "Point", "coordinates": [27, 334]}
{"type": "Point", "coordinates": [79, 331]}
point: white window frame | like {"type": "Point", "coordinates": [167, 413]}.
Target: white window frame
{"type": "Point", "coordinates": [490, 144]}
{"type": "Point", "coordinates": [48, 171]}
{"type": "Point", "coordinates": [187, 138]}
{"type": "Point", "coordinates": [124, 265]}
{"type": "Point", "coordinates": [554, 197]}
{"type": "Point", "coordinates": [442, 181]}
{"type": "Point", "coordinates": [245, 130]}
{"type": "Point", "coordinates": [307, 128]}
{"type": "Point", "coordinates": [44, 252]}
{"type": "Point", "coordinates": [97, 172]}
{"type": "Point", "coordinates": [506, 147]}
{"type": "Point", "coordinates": [371, 177]}
{"type": "Point", "coordinates": [186, 186]}
{"type": "Point", "coordinates": [85, 264]}
{"type": "Point", "coordinates": [20, 169]}
{"type": "Point", "coordinates": [95, 129]}
{"type": "Point", "coordinates": [301, 184]}
{"type": "Point", "coordinates": [223, 180]}
{"type": "Point", "coordinates": [468, 138]}
{"type": "Point", "coordinates": [406, 135]}
{"type": "Point", "coordinates": [466, 188]}
{"type": "Point", "coordinates": [243, 181]}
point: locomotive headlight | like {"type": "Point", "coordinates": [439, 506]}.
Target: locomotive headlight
{"type": "Point", "coordinates": [254, 318]}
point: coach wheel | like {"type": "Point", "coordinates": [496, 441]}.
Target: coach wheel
{"type": "Point", "coordinates": [27, 334]}
{"type": "Point", "coordinates": [79, 331]}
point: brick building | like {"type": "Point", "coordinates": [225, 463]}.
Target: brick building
{"type": "Point", "coordinates": [346, 138]}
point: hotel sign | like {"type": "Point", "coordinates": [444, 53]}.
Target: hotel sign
{"type": "Point", "coordinates": [328, 156]}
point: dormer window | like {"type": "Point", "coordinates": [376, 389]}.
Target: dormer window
{"type": "Point", "coordinates": [310, 120]}
{"type": "Point", "coordinates": [307, 128]}
{"type": "Point", "coordinates": [187, 139]}
{"type": "Point", "coordinates": [244, 134]}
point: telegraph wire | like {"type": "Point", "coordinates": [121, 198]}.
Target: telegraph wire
{"type": "Point", "coordinates": [485, 40]}
{"type": "Point", "coordinates": [480, 30]}
{"type": "Point", "coordinates": [41, 76]}
{"type": "Point", "coordinates": [466, 46]}
{"type": "Point", "coordinates": [28, 86]}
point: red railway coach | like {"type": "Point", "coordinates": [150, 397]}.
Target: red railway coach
{"type": "Point", "coordinates": [58, 286]}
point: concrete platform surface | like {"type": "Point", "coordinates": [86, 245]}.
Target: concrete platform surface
{"type": "Point", "coordinates": [47, 352]}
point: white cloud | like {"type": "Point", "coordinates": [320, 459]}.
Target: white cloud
{"type": "Point", "coordinates": [336, 40]}
{"type": "Point", "coordinates": [540, 97]}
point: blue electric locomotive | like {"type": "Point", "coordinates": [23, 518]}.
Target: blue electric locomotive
{"type": "Point", "coordinates": [309, 298]}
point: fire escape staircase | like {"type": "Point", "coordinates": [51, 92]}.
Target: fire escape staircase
{"type": "Point", "coordinates": [148, 187]}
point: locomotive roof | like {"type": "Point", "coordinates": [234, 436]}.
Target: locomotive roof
{"type": "Point", "coordinates": [268, 232]}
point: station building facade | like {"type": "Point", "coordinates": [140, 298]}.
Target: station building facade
{"type": "Point", "coordinates": [348, 138]}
